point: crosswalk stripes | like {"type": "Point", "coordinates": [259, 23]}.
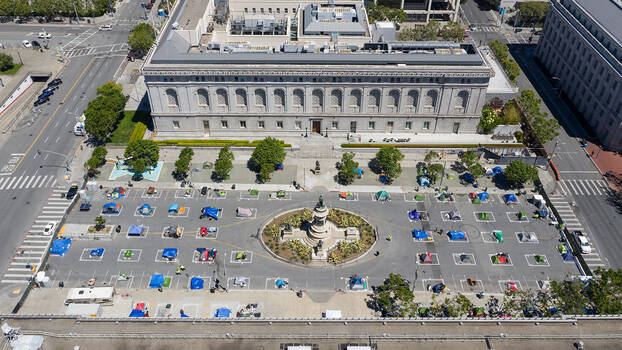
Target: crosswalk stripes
{"type": "Point", "coordinates": [593, 260]}
{"type": "Point", "coordinates": [24, 182]}
{"type": "Point", "coordinates": [584, 187]}
{"type": "Point", "coordinates": [29, 255]}
{"type": "Point", "coordinates": [485, 29]}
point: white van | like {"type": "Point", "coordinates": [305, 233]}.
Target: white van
{"type": "Point", "coordinates": [95, 295]}
{"type": "Point", "coordinates": [78, 129]}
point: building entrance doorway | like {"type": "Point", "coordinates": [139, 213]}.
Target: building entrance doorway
{"type": "Point", "coordinates": [316, 126]}
{"type": "Point", "coordinates": [389, 127]}
{"type": "Point", "coordinates": [206, 128]}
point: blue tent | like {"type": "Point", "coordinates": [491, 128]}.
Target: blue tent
{"type": "Point", "coordinates": [112, 207]}
{"type": "Point", "coordinates": [567, 256]}
{"type": "Point", "coordinates": [145, 209]}
{"type": "Point", "coordinates": [211, 212]}
{"type": "Point", "coordinates": [170, 253]}
{"type": "Point", "coordinates": [60, 246]}
{"type": "Point", "coordinates": [173, 208]}
{"type": "Point", "coordinates": [509, 198]}
{"type": "Point", "coordinates": [135, 230]}
{"type": "Point", "coordinates": [454, 235]}
{"type": "Point", "coordinates": [468, 178]}
{"type": "Point", "coordinates": [384, 179]}
{"type": "Point", "coordinates": [184, 315]}
{"type": "Point", "coordinates": [414, 215]}
{"type": "Point", "coordinates": [497, 170]}
{"type": "Point", "coordinates": [483, 196]}
{"type": "Point", "coordinates": [358, 171]}
{"type": "Point", "coordinates": [97, 252]}
{"type": "Point", "coordinates": [196, 283]}
{"type": "Point", "coordinates": [424, 181]}
{"type": "Point", "coordinates": [137, 313]}
{"type": "Point", "coordinates": [223, 312]}
{"type": "Point", "coordinates": [157, 280]}
{"type": "Point", "coordinates": [281, 283]}
{"type": "Point", "coordinates": [356, 283]}
{"type": "Point", "coordinates": [420, 234]}
{"type": "Point", "coordinates": [278, 166]}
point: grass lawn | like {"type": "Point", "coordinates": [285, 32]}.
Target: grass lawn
{"type": "Point", "coordinates": [11, 71]}
{"type": "Point", "coordinates": [126, 126]}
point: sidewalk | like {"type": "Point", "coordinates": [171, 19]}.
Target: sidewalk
{"type": "Point", "coordinates": [607, 162]}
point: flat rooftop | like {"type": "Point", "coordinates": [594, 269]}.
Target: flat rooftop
{"type": "Point", "coordinates": [193, 10]}
{"type": "Point", "coordinates": [608, 13]}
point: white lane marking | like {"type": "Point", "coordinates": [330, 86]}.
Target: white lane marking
{"type": "Point", "coordinates": [30, 182]}
{"type": "Point", "coordinates": [10, 183]}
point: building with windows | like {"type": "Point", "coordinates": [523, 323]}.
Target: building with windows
{"type": "Point", "coordinates": [250, 69]}
{"type": "Point", "coordinates": [422, 11]}
{"type": "Point", "coordinates": [581, 45]}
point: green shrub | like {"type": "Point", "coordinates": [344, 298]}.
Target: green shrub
{"type": "Point", "coordinates": [212, 143]}
{"type": "Point", "coordinates": [139, 132]}
{"type": "Point", "coordinates": [434, 146]}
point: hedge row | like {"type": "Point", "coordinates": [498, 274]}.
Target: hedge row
{"type": "Point", "coordinates": [435, 146]}
{"type": "Point", "coordinates": [139, 132]}
{"type": "Point", "coordinates": [212, 143]}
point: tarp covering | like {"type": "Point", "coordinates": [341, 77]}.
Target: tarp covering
{"type": "Point", "coordinates": [145, 209]}
{"type": "Point", "coordinates": [210, 211]}
{"type": "Point", "coordinates": [60, 246]}
{"type": "Point", "coordinates": [468, 178]}
{"type": "Point", "coordinates": [483, 196]}
{"type": "Point", "coordinates": [169, 253]}
{"type": "Point", "coordinates": [111, 205]}
{"type": "Point", "coordinates": [509, 198]}
{"type": "Point", "coordinates": [27, 342]}
{"type": "Point", "coordinates": [498, 235]}
{"type": "Point", "coordinates": [281, 283]}
{"type": "Point", "coordinates": [420, 234]}
{"type": "Point", "coordinates": [278, 166]}
{"type": "Point", "coordinates": [382, 195]}
{"type": "Point", "coordinates": [137, 313]}
{"type": "Point", "coordinates": [414, 215]}
{"type": "Point", "coordinates": [424, 181]}
{"type": "Point", "coordinates": [453, 215]}
{"type": "Point", "coordinates": [135, 230]}
{"type": "Point", "coordinates": [358, 171]}
{"type": "Point", "coordinates": [239, 255]}
{"type": "Point", "coordinates": [196, 283]}
{"type": "Point", "coordinates": [356, 283]}
{"type": "Point", "coordinates": [173, 208]}
{"type": "Point", "coordinates": [157, 280]}
{"type": "Point", "coordinates": [223, 312]}
{"type": "Point", "coordinates": [567, 256]}
{"type": "Point", "coordinates": [97, 252]}
{"type": "Point", "coordinates": [497, 170]}
{"type": "Point", "coordinates": [466, 259]}
{"type": "Point", "coordinates": [426, 258]}
{"type": "Point", "coordinates": [243, 212]}
{"type": "Point", "coordinates": [454, 235]}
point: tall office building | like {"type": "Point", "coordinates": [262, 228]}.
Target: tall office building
{"type": "Point", "coordinates": [581, 44]}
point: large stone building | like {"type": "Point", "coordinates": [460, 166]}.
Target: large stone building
{"type": "Point", "coordinates": [581, 44]}
{"type": "Point", "coordinates": [250, 69]}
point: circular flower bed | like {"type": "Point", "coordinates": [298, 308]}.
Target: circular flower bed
{"type": "Point", "coordinates": [297, 252]}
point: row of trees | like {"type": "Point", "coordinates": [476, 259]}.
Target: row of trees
{"type": "Point", "coordinates": [142, 38]}
{"type": "Point", "coordinates": [452, 31]}
{"type": "Point", "coordinates": [600, 295]}
{"type": "Point", "coordinates": [49, 8]}
{"type": "Point", "coordinates": [532, 12]}
{"type": "Point", "coordinates": [501, 52]}
{"type": "Point", "coordinates": [104, 112]}
{"type": "Point", "coordinates": [379, 13]}
{"type": "Point", "coordinates": [543, 128]}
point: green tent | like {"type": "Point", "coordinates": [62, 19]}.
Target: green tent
{"type": "Point", "coordinates": [254, 192]}
{"type": "Point", "coordinates": [127, 254]}
{"type": "Point", "coordinates": [483, 216]}
{"type": "Point", "coordinates": [539, 259]}
{"type": "Point", "coordinates": [419, 197]}
{"type": "Point", "coordinates": [239, 255]}
{"type": "Point", "coordinates": [562, 249]}
{"type": "Point", "coordinates": [521, 215]}
{"type": "Point", "coordinates": [495, 259]}
{"type": "Point", "coordinates": [382, 195]}
{"type": "Point", "coordinates": [281, 193]}
{"type": "Point", "coordinates": [476, 200]}
{"type": "Point", "coordinates": [167, 282]}
{"type": "Point", "coordinates": [498, 236]}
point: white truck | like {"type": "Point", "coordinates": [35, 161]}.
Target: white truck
{"type": "Point", "coordinates": [78, 128]}
{"type": "Point", "coordinates": [582, 242]}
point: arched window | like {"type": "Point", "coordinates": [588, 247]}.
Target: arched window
{"type": "Point", "coordinates": [279, 98]}
{"type": "Point", "coordinates": [430, 100]}
{"type": "Point", "coordinates": [336, 99]}
{"type": "Point", "coordinates": [355, 100]}
{"type": "Point", "coordinates": [412, 100]}
{"type": "Point", "coordinates": [394, 99]}
{"type": "Point", "coordinates": [299, 98]}
{"type": "Point", "coordinates": [171, 98]}
{"type": "Point", "coordinates": [221, 98]}
{"type": "Point", "coordinates": [374, 100]}
{"type": "Point", "coordinates": [203, 97]}
{"type": "Point", "coordinates": [461, 100]}
{"type": "Point", "coordinates": [240, 98]}
{"type": "Point", "coordinates": [317, 100]}
{"type": "Point", "coordinates": [260, 98]}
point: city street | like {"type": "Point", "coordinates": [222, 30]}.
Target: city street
{"type": "Point", "coordinates": [399, 255]}
{"type": "Point", "coordinates": [34, 158]}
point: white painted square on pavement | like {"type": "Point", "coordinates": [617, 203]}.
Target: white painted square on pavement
{"type": "Point", "coordinates": [210, 232]}
{"type": "Point", "coordinates": [472, 286]}
{"type": "Point", "coordinates": [513, 216]}
{"type": "Point", "coordinates": [349, 285]}
{"type": "Point", "coordinates": [207, 281]}
{"type": "Point", "coordinates": [92, 254]}
{"type": "Point", "coordinates": [247, 257]}
{"type": "Point", "coordinates": [478, 216]}
{"type": "Point", "coordinates": [243, 215]}
{"type": "Point", "coordinates": [248, 196]}
{"type": "Point", "coordinates": [532, 260]}
{"type": "Point", "coordinates": [350, 196]}
{"type": "Point", "coordinates": [507, 256]}
{"type": "Point", "coordinates": [217, 194]}
{"type": "Point", "coordinates": [509, 284]}
{"type": "Point", "coordinates": [464, 259]}
{"type": "Point", "coordinates": [196, 256]}
{"type": "Point", "coordinates": [424, 259]}
{"type": "Point", "coordinates": [185, 193]}
{"type": "Point", "coordinates": [160, 258]}
{"type": "Point", "coordinates": [428, 283]}
{"type": "Point", "coordinates": [183, 212]}
{"type": "Point", "coordinates": [412, 197]}
{"type": "Point", "coordinates": [134, 256]}
{"type": "Point", "coordinates": [180, 231]}
{"type": "Point", "coordinates": [157, 194]}
{"type": "Point", "coordinates": [139, 214]}
{"type": "Point", "coordinates": [273, 196]}
{"type": "Point", "coordinates": [527, 237]}
{"type": "Point", "coordinates": [143, 235]}
{"type": "Point", "coordinates": [243, 283]}
{"type": "Point", "coordinates": [105, 213]}
{"type": "Point", "coordinates": [445, 215]}
{"type": "Point", "coordinates": [489, 237]}
{"type": "Point", "coordinates": [423, 216]}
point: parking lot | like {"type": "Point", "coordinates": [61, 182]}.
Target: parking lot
{"type": "Point", "coordinates": [529, 246]}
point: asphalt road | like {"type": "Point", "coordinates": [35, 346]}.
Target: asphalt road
{"type": "Point", "coordinates": [51, 130]}
{"type": "Point", "coordinates": [400, 255]}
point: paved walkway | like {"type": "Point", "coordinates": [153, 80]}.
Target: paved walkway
{"type": "Point", "coordinates": [609, 163]}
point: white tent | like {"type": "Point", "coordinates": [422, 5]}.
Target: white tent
{"type": "Point", "coordinates": [332, 314]}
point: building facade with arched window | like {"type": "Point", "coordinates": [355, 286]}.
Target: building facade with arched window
{"type": "Point", "coordinates": [251, 84]}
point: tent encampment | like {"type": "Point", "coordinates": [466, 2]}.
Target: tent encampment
{"type": "Point", "coordinates": [223, 312]}
{"type": "Point", "coordinates": [483, 196]}
{"type": "Point", "coordinates": [169, 253]}
{"type": "Point", "coordinates": [145, 209]}
{"type": "Point", "coordinates": [211, 212]}
{"type": "Point", "coordinates": [454, 215]}
{"type": "Point", "coordinates": [96, 252]}
{"type": "Point", "coordinates": [60, 246]}
{"type": "Point", "coordinates": [173, 208]}
{"type": "Point", "coordinates": [111, 208]}
{"type": "Point", "coordinates": [420, 234]}
{"type": "Point", "coordinates": [281, 283]}
{"type": "Point", "coordinates": [424, 181]}
{"type": "Point", "coordinates": [196, 283]}
{"type": "Point", "coordinates": [425, 258]}
{"type": "Point", "coordinates": [498, 236]}
{"type": "Point", "coordinates": [136, 230]}
{"type": "Point", "coordinates": [468, 178]}
{"type": "Point", "coordinates": [497, 170]}
{"type": "Point", "coordinates": [157, 280]}
{"type": "Point", "coordinates": [414, 215]}
{"type": "Point", "coordinates": [509, 198]}
{"type": "Point", "coordinates": [382, 196]}
{"type": "Point", "coordinates": [357, 283]}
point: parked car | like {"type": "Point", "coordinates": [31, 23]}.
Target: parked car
{"type": "Point", "coordinates": [45, 94]}
{"type": "Point", "coordinates": [50, 88]}
{"type": "Point", "coordinates": [85, 206]}
{"type": "Point", "coordinates": [55, 82]}
{"type": "Point", "coordinates": [36, 44]}
{"type": "Point", "coordinates": [582, 242]}
{"type": "Point", "coordinates": [149, 6]}
{"type": "Point", "coordinates": [73, 190]}
{"type": "Point", "coordinates": [48, 230]}
{"type": "Point", "coordinates": [106, 28]}
{"type": "Point", "coordinates": [27, 44]}
{"type": "Point", "coordinates": [41, 101]}
{"type": "Point", "coordinates": [44, 35]}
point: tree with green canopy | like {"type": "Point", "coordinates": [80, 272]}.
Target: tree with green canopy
{"type": "Point", "coordinates": [518, 173]}
{"type": "Point", "coordinates": [224, 163]}
{"type": "Point", "coordinates": [346, 172]}
{"type": "Point", "coordinates": [389, 159]}
{"type": "Point", "coordinates": [268, 153]}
